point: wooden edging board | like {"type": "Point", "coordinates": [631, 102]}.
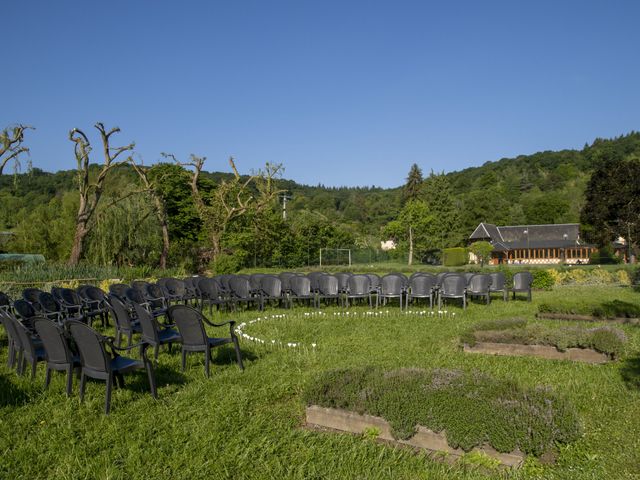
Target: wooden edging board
{"type": "Point", "coordinates": [424, 438]}
{"type": "Point", "coordinates": [543, 351]}
{"type": "Point", "coordinates": [586, 318]}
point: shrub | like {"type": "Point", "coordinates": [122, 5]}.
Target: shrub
{"type": "Point", "coordinates": [607, 340]}
{"type": "Point", "coordinates": [455, 257]}
{"type": "Point", "coordinates": [472, 407]}
{"type": "Point", "coordinates": [604, 256]}
{"type": "Point", "coordinates": [543, 280]}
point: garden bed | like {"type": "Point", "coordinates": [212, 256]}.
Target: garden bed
{"type": "Point", "coordinates": [520, 338]}
{"type": "Point", "coordinates": [424, 439]}
{"type": "Point", "coordinates": [442, 410]}
{"type": "Point", "coordinates": [586, 318]}
{"type": "Point", "coordinates": [618, 311]}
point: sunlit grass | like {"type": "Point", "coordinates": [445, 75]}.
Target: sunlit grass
{"type": "Point", "coordinates": [250, 425]}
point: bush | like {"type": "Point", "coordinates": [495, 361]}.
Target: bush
{"type": "Point", "coordinates": [455, 257]}
{"type": "Point", "coordinates": [224, 264]}
{"type": "Point", "coordinates": [607, 340]}
{"type": "Point", "coordinates": [473, 408]}
{"type": "Point", "coordinates": [543, 280]}
{"type": "Point", "coordinates": [604, 256]}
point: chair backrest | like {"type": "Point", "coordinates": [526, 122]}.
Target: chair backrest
{"type": "Point", "coordinates": [189, 323]}
{"type": "Point", "coordinates": [140, 285]}
{"type": "Point", "coordinates": [479, 283]}
{"type": "Point", "coordinates": [148, 324]}
{"type": "Point", "coordinates": [522, 280]}
{"type": "Point", "coordinates": [358, 285]}
{"type": "Point", "coordinates": [24, 309]}
{"type": "Point", "coordinates": [133, 295]}
{"type": "Point", "coordinates": [439, 278]}
{"type": "Point", "coordinates": [453, 285]}
{"type": "Point", "coordinates": [271, 286]}
{"type": "Point", "coordinates": [285, 278]}
{"type": "Point", "coordinates": [54, 341]}
{"type": "Point", "coordinates": [404, 281]}
{"type": "Point", "coordinates": [240, 287]}
{"type": "Point", "coordinates": [119, 313]}
{"type": "Point", "coordinates": [392, 284]}
{"type": "Point", "coordinates": [497, 281]}
{"type": "Point", "coordinates": [375, 280]}
{"type": "Point", "coordinates": [328, 285]}
{"type": "Point", "coordinates": [31, 295]}
{"type": "Point", "coordinates": [119, 289]}
{"type": "Point", "coordinates": [48, 303]}
{"type": "Point", "coordinates": [154, 291]}
{"type": "Point", "coordinates": [315, 277]}
{"type": "Point", "coordinates": [94, 293]}
{"type": "Point", "coordinates": [468, 276]}
{"type": "Point", "coordinates": [175, 287]}
{"type": "Point", "coordinates": [255, 280]}
{"type": "Point", "coordinates": [209, 288]}
{"type": "Point", "coordinates": [24, 336]}
{"type": "Point", "coordinates": [422, 285]}
{"type": "Point", "coordinates": [300, 286]}
{"type": "Point", "coordinates": [5, 300]}
{"type": "Point", "coordinates": [343, 278]}
{"type": "Point", "coordinates": [224, 281]}
{"type": "Point", "coordinates": [70, 297]}
{"type": "Point", "coordinates": [9, 327]}
{"type": "Point", "coordinates": [90, 344]}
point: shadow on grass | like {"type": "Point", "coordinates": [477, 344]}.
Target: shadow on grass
{"type": "Point", "coordinates": [10, 394]}
{"type": "Point", "coordinates": [630, 372]}
{"type": "Point", "coordinates": [226, 355]}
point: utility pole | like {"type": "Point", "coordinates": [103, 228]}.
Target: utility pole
{"type": "Point", "coordinates": [285, 197]}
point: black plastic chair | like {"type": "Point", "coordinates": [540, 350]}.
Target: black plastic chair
{"type": "Point", "coordinates": [300, 289]}
{"type": "Point", "coordinates": [190, 323]}
{"type": "Point", "coordinates": [58, 355]}
{"type": "Point", "coordinates": [154, 295]}
{"type": "Point", "coordinates": [453, 286]}
{"type": "Point", "coordinates": [421, 286]}
{"type": "Point", "coordinates": [328, 289]}
{"type": "Point", "coordinates": [154, 334]}
{"type": "Point", "coordinates": [522, 282]}
{"type": "Point", "coordinates": [358, 287]}
{"type": "Point", "coordinates": [100, 363]}
{"type": "Point", "coordinates": [343, 278]}
{"type": "Point", "coordinates": [31, 296]}
{"type": "Point", "coordinates": [119, 289]}
{"type": "Point", "coordinates": [94, 303]}
{"type": "Point", "coordinates": [392, 286]}
{"type": "Point", "coordinates": [13, 342]}
{"type": "Point", "coordinates": [125, 324]}
{"type": "Point", "coordinates": [498, 285]}
{"type": "Point", "coordinates": [271, 289]}
{"type": "Point", "coordinates": [241, 292]}
{"type": "Point", "coordinates": [31, 350]}
{"type": "Point", "coordinates": [210, 293]}
{"type": "Point", "coordinates": [174, 290]}
{"type": "Point", "coordinates": [5, 302]}
{"type": "Point", "coordinates": [25, 311]}
{"type": "Point", "coordinates": [50, 307]}
{"type": "Point", "coordinates": [71, 303]}
{"type": "Point", "coordinates": [479, 286]}
{"type": "Point", "coordinates": [314, 278]}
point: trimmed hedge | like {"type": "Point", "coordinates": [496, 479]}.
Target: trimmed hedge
{"type": "Point", "coordinates": [612, 309]}
{"type": "Point", "coordinates": [607, 340]}
{"type": "Point", "coordinates": [472, 407]}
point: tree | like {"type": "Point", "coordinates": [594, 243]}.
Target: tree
{"type": "Point", "coordinates": [231, 198]}
{"type": "Point", "coordinates": [91, 190]}
{"type": "Point", "coordinates": [612, 200]}
{"type": "Point", "coordinates": [439, 198]}
{"type": "Point", "coordinates": [482, 250]}
{"type": "Point", "coordinates": [412, 228]}
{"type": "Point", "coordinates": [11, 145]}
{"type": "Point", "coordinates": [413, 186]}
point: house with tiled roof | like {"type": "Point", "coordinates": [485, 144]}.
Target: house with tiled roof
{"type": "Point", "coordinates": [534, 244]}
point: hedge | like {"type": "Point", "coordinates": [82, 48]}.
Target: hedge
{"type": "Point", "coordinates": [455, 257]}
{"type": "Point", "coordinates": [472, 407]}
{"type": "Point", "coordinates": [607, 340]}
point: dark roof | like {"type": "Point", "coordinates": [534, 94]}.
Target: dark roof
{"type": "Point", "coordinates": [564, 235]}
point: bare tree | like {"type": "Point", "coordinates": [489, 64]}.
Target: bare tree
{"type": "Point", "coordinates": [11, 139]}
{"type": "Point", "coordinates": [159, 208]}
{"type": "Point", "coordinates": [232, 198]}
{"type": "Point", "coordinates": [91, 190]}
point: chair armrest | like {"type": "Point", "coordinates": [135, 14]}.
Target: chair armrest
{"type": "Point", "coordinates": [228, 322]}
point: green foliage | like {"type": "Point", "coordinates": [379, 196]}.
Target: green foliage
{"type": "Point", "coordinates": [604, 256]}
{"type": "Point", "coordinates": [473, 408]}
{"type": "Point", "coordinates": [611, 341]}
{"type": "Point", "coordinates": [413, 187]}
{"type": "Point", "coordinates": [482, 250]}
{"type": "Point", "coordinates": [542, 280]}
{"type": "Point", "coordinates": [455, 257]}
{"type": "Point", "coordinates": [225, 263]}
{"type": "Point", "coordinates": [608, 309]}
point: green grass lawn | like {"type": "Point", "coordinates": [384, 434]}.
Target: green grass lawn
{"type": "Point", "coordinates": [250, 425]}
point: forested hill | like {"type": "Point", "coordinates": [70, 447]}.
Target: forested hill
{"type": "Point", "coordinates": [546, 187]}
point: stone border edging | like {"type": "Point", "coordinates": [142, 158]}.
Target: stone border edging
{"type": "Point", "coordinates": [424, 438]}
{"type": "Point", "coordinates": [585, 318]}
{"type": "Point", "coordinates": [585, 355]}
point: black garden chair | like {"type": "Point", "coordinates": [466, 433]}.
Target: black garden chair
{"type": "Point", "coordinates": [498, 285]}
{"type": "Point", "coordinates": [453, 286]}
{"type": "Point", "coordinates": [358, 287]}
{"type": "Point", "coordinates": [479, 286]}
{"type": "Point", "coordinates": [522, 282]}
{"type": "Point", "coordinates": [154, 334]}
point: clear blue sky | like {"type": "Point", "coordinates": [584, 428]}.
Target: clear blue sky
{"type": "Point", "coordinates": [340, 92]}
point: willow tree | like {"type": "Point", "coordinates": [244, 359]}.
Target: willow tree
{"type": "Point", "coordinates": [231, 198]}
{"type": "Point", "coordinates": [91, 189]}
{"type": "Point", "coordinates": [11, 145]}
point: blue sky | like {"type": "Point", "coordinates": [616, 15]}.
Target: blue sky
{"type": "Point", "coordinates": [340, 92]}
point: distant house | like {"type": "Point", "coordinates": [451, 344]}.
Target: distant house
{"type": "Point", "coordinates": [535, 244]}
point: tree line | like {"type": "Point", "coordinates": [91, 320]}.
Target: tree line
{"type": "Point", "coordinates": [114, 210]}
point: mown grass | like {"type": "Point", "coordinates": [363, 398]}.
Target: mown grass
{"type": "Point", "coordinates": [250, 425]}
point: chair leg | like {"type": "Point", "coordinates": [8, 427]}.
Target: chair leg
{"type": "Point", "coordinates": [207, 359]}
{"type": "Point", "coordinates": [156, 350]}
{"type": "Point", "coordinates": [107, 400]}
{"type": "Point", "coordinates": [33, 369]}
{"type": "Point", "coordinates": [69, 380]}
{"type": "Point", "coordinates": [83, 381]}
{"type": "Point", "coordinates": [47, 377]}
{"type": "Point", "coordinates": [184, 359]}
{"type": "Point", "coordinates": [238, 353]}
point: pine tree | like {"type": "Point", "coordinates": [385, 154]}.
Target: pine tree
{"type": "Point", "coordinates": [438, 195]}
{"type": "Point", "coordinates": [413, 186]}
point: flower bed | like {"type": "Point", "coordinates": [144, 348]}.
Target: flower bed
{"type": "Point", "coordinates": [474, 409]}
{"type": "Point", "coordinates": [615, 310]}
{"type": "Point", "coordinates": [518, 337]}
